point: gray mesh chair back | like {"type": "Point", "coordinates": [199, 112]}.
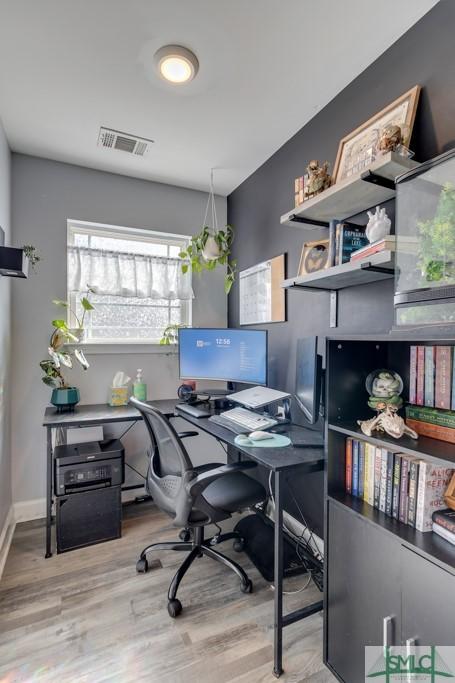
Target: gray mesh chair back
{"type": "Point", "coordinates": [170, 468]}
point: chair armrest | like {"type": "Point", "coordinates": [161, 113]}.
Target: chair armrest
{"type": "Point", "coordinates": [196, 486]}
{"type": "Point", "coordinates": [184, 435]}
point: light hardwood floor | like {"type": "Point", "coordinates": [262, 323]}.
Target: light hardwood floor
{"type": "Point", "coordinates": [87, 617]}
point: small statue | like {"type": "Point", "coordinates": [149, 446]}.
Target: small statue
{"type": "Point", "coordinates": [318, 178]}
{"type": "Point", "coordinates": [384, 388]}
{"type": "Point", "coordinates": [378, 226]}
{"type": "Point", "coordinates": [391, 138]}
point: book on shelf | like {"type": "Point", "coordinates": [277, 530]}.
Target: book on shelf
{"type": "Point", "coordinates": [383, 482]}
{"type": "Point", "coordinates": [404, 488]}
{"type": "Point", "coordinates": [396, 486]}
{"type": "Point", "coordinates": [386, 244]}
{"type": "Point", "coordinates": [429, 370]}
{"type": "Point", "coordinates": [445, 518]}
{"type": "Point", "coordinates": [348, 464]}
{"type": "Point", "coordinates": [433, 431]}
{"type": "Point", "coordinates": [355, 467]}
{"type": "Point", "coordinates": [444, 533]}
{"type": "Point", "coordinates": [361, 468]}
{"type": "Point", "coordinates": [443, 378]}
{"type": "Point", "coordinates": [389, 484]}
{"type": "Point", "coordinates": [412, 492]}
{"type": "Point", "coordinates": [370, 473]}
{"type": "Point", "coordinates": [348, 238]}
{"type": "Point", "coordinates": [433, 481]}
{"type": "Point", "coordinates": [443, 418]}
{"type": "Point", "coordinates": [420, 375]}
{"type": "Point", "coordinates": [377, 476]}
{"type": "Point", "coordinates": [413, 374]}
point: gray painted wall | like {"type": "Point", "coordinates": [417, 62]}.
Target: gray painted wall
{"type": "Point", "coordinates": [5, 336]}
{"type": "Point", "coordinates": [425, 55]}
{"type": "Point", "coordinates": [45, 195]}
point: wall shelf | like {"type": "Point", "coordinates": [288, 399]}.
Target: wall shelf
{"type": "Point", "coordinates": [352, 195]}
{"type": "Point", "coordinates": [375, 268]}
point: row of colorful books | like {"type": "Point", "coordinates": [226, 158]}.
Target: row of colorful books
{"type": "Point", "coordinates": [406, 488]}
{"type": "Point", "coordinates": [444, 524]}
{"type": "Point", "coordinates": [431, 377]}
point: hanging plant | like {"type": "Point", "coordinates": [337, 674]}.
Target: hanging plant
{"type": "Point", "coordinates": [211, 247]}
{"type": "Point", "coordinates": [32, 255]}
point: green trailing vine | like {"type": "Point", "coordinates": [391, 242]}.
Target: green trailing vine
{"type": "Point", "coordinates": [171, 334]}
{"type": "Point", "coordinates": [195, 255]}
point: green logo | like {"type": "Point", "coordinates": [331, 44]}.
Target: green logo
{"type": "Point", "coordinates": [416, 664]}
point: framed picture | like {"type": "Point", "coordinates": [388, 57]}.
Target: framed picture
{"type": "Point", "coordinates": [359, 149]}
{"type": "Point", "coordinates": [314, 257]}
{"type": "Point", "coordinates": [262, 299]}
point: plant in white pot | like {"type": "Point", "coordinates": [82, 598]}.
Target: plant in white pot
{"type": "Point", "coordinates": [64, 396]}
{"type": "Point", "coordinates": [211, 247]}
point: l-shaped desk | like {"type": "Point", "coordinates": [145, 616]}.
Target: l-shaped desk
{"type": "Point", "coordinates": [276, 460]}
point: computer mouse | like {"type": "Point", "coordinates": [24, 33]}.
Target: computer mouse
{"type": "Point", "coordinates": [259, 436]}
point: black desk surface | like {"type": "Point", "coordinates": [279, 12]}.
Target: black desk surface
{"type": "Point", "coordinates": [311, 459]}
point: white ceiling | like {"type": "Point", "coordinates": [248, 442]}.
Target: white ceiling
{"type": "Point", "coordinates": [266, 67]}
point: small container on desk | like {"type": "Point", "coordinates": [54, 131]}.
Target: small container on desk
{"type": "Point", "coordinates": [118, 396]}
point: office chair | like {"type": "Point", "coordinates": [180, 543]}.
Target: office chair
{"type": "Point", "coordinates": [193, 497]}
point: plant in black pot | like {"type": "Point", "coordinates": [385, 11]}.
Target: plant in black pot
{"type": "Point", "coordinates": [64, 396]}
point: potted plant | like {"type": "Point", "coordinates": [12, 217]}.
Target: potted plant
{"type": "Point", "coordinates": [437, 240]}
{"type": "Point", "coordinates": [64, 396]}
{"type": "Point", "coordinates": [171, 334]}
{"type": "Point", "coordinates": [212, 246]}
{"type": "Point", "coordinates": [209, 249]}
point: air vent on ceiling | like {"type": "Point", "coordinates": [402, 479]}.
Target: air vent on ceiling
{"type": "Point", "coordinates": [115, 139]}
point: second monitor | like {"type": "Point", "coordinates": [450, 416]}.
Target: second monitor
{"type": "Point", "coordinates": [228, 355]}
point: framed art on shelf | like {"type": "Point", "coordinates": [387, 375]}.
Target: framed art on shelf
{"type": "Point", "coordinates": [358, 150]}
{"type": "Point", "coordinates": [314, 257]}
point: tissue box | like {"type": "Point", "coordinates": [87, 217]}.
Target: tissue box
{"type": "Point", "coordinates": [118, 396]}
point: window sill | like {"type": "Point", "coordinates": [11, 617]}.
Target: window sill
{"type": "Point", "coordinates": [116, 348]}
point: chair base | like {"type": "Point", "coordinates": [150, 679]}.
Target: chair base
{"type": "Point", "coordinates": [198, 547]}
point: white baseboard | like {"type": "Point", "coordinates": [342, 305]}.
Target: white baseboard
{"type": "Point", "coordinates": [6, 536]}
{"type": "Point", "coordinates": [26, 510]}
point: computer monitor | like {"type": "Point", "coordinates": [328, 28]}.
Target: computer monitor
{"type": "Point", "coordinates": [308, 378]}
{"type": "Point", "coordinates": [223, 354]}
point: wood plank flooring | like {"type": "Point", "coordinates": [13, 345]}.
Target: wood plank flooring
{"type": "Point", "coordinates": [87, 617]}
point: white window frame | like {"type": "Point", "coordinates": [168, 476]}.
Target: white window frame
{"type": "Point", "coordinates": [132, 234]}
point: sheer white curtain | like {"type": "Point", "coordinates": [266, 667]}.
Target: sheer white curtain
{"type": "Point", "coordinates": [128, 275]}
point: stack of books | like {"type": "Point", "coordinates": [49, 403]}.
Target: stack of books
{"type": "Point", "coordinates": [344, 239]}
{"type": "Point", "coordinates": [444, 524]}
{"type": "Point", "coordinates": [405, 488]}
{"type": "Point", "coordinates": [432, 392]}
{"type": "Point", "coordinates": [386, 244]}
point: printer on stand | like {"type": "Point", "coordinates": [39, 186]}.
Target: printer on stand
{"type": "Point", "coordinates": [88, 480]}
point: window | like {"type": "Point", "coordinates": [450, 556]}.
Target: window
{"type": "Point", "coordinates": [137, 277]}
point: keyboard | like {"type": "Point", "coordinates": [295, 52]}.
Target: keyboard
{"type": "Point", "coordinates": [243, 421]}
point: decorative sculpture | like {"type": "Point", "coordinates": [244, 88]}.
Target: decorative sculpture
{"type": "Point", "coordinates": [318, 178]}
{"type": "Point", "coordinates": [391, 138]}
{"type": "Point", "coordinates": [384, 388]}
{"type": "Point", "coordinates": [379, 225]}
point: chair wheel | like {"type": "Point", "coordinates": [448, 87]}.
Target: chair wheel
{"type": "Point", "coordinates": [174, 607]}
{"type": "Point", "coordinates": [247, 587]}
{"type": "Point", "coordinates": [185, 535]}
{"type": "Point", "coordinates": [238, 545]}
{"type": "Point", "coordinates": [142, 566]}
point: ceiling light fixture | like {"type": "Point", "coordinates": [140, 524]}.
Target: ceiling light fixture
{"type": "Point", "coordinates": [176, 64]}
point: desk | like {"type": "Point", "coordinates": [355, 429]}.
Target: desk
{"type": "Point", "coordinates": [276, 460]}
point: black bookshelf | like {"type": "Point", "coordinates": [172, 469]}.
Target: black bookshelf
{"type": "Point", "coordinates": [382, 577]}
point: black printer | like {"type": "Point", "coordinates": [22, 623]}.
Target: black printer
{"type": "Point", "coordinates": [88, 479]}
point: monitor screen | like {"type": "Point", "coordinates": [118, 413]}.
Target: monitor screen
{"type": "Point", "coordinates": [223, 354]}
{"type": "Point", "coordinates": [308, 378]}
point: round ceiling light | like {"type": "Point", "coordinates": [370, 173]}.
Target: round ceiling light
{"type": "Point", "coordinates": [176, 64]}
